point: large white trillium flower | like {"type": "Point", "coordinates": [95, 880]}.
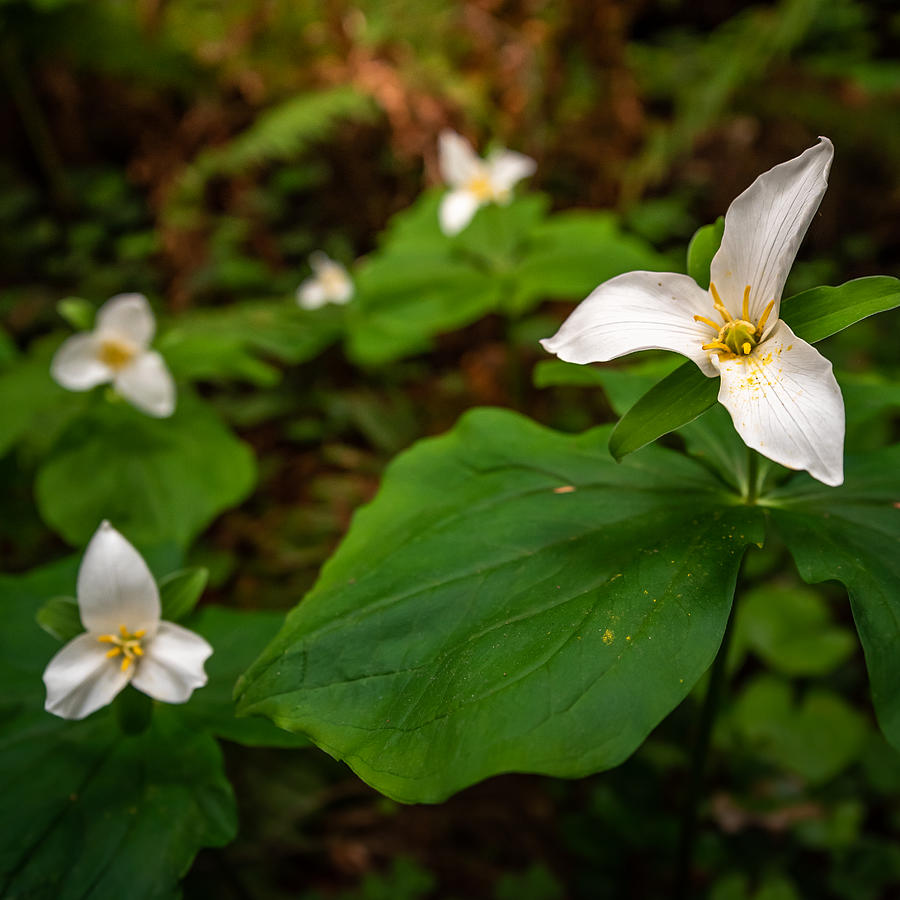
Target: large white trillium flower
{"type": "Point", "coordinates": [330, 283]}
{"type": "Point", "coordinates": [125, 641]}
{"type": "Point", "coordinates": [117, 351]}
{"type": "Point", "coordinates": [475, 181]}
{"type": "Point", "coordinates": [781, 393]}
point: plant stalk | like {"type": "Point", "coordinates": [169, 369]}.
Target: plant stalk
{"type": "Point", "coordinates": [752, 477]}
{"type": "Point", "coordinates": [687, 837]}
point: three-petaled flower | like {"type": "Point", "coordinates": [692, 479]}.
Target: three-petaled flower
{"type": "Point", "coordinates": [125, 641]}
{"type": "Point", "coordinates": [781, 393]}
{"type": "Point", "coordinates": [117, 351]}
{"type": "Point", "coordinates": [475, 182]}
{"type": "Point", "coordinates": [330, 283]}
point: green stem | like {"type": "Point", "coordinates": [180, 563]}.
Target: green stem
{"type": "Point", "coordinates": [687, 837]}
{"type": "Point", "coordinates": [752, 477]}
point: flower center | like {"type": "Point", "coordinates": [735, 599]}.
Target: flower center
{"type": "Point", "coordinates": [115, 353]}
{"type": "Point", "coordinates": [736, 337]}
{"type": "Point", "coordinates": [480, 185]}
{"type": "Point", "coordinates": [332, 279]}
{"type": "Point", "coordinates": [126, 644]}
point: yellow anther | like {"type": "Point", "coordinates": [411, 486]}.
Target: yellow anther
{"type": "Point", "coordinates": [718, 304]}
{"type": "Point", "coordinates": [140, 633]}
{"type": "Point", "coordinates": [745, 312]}
{"type": "Point", "coordinates": [746, 348]}
{"type": "Point", "coordinates": [115, 651]}
{"type": "Point", "coordinates": [706, 321]}
{"type": "Point", "coordinates": [123, 631]}
{"type": "Point", "coordinates": [762, 319]}
{"type": "Point", "coordinates": [716, 345]}
{"type": "Point", "coordinates": [116, 354]}
{"type": "Point", "coordinates": [126, 662]}
{"type": "Point", "coordinates": [138, 650]}
{"type": "Point", "coordinates": [107, 639]}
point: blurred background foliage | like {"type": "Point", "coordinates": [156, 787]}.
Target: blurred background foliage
{"type": "Point", "coordinates": [199, 151]}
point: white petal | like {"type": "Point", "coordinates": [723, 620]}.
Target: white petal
{"type": "Point", "coordinates": [457, 160]}
{"type": "Point", "coordinates": [115, 586]}
{"type": "Point", "coordinates": [311, 294]}
{"type": "Point", "coordinates": [457, 209]}
{"type": "Point", "coordinates": [127, 316]}
{"type": "Point", "coordinates": [173, 664]}
{"type": "Point", "coordinates": [764, 227]}
{"type": "Point", "coordinates": [785, 403]}
{"type": "Point", "coordinates": [76, 365]}
{"type": "Point", "coordinates": [637, 311]}
{"type": "Point", "coordinates": [507, 168]}
{"type": "Point", "coordinates": [81, 679]}
{"type": "Point", "coordinates": [147, 384]}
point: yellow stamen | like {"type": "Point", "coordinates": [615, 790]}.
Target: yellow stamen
{"type": "Point", "coordinates": [123, 631]}
{"type": "Point", "coordinates": [138, 650]}
{"type": "Point", "coordinates": [718, 304]}
{"type": "Point", "coordinates": [716, 345]}
{"type": "Point", "coordinates": [745, 312]}
{"type": "Point", "coordinates": [140, 633]}
{"type": "Point", "coordinates": [706, 321]}
{"type": "Point", "coordinates": [107, 639]}
{"type": "Point", "coordinates": [762, 319]}
{"type": "Point", "coordinates": [126, 662]}
{"type": "Point", "coordinates": [115, 651]}
{"type": "Point", "coordinates": [746, 348]}
{"type": "Point", "coordinates": [116, 354]}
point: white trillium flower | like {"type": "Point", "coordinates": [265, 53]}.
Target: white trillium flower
{"type": "Point", "coordinates": [475, 182]}
{"type": "Point", "coordinates": [125, 641]}
{"type": "Point", "coordinates": [781, 393]}
{"type": "Point", "coordinates": [117, 351]}
{"type": "Point", "coordinates": [330, 283]}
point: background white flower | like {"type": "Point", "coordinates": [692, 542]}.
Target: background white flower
{"type": "Point", "coordinates": [475, 181]}
{"type": "Point", "coordinates": [781, 393]}
{"type": "Point", "coordinates": [330, 283]}
{"type": "Point", "coordinates": [117, 351]}
{"type": "Point", "coordinates": [125, 641]}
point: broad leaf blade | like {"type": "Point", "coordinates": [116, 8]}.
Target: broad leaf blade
{"type": "Point", "coordinates": [60, 618]}
{"type": "Point", "coordinates": [852, 534]}
{"type": "Point", "coordinates": [511, 601]}
{"type": "Point", "coordinates": [676, 400]}
{"type": "Point", "coordinates": [180, 591]}
{"type": "Point", "coordinates": [820, 312]}
{"type": "Point", "coordinates": [702, 249]}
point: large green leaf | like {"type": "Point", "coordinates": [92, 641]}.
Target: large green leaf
{"type": "Point", "coordinates": [88, 812]}
{"type": "Point", "coordinates": [687, 392]}
{"type": "Point", "coordinates": [852, 534]}
{"type": "Point", "coordinates": [512, 600]}
{"type": "Point", "coordinates": [155, 479]}
{"type": "Point", "coordinates": [702, 249]}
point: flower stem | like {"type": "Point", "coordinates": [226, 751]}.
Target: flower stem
{"type": "Point", "coordinates": [133, 711]}
{"type": "Point", "coordinates": [688, 834]}
{"type": "Point", "coordinates": [752, 477]}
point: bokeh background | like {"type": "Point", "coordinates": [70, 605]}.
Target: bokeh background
{"type": "Point", "coordinates": [199, 151]}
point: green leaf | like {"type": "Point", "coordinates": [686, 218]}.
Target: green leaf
{"type": "Point", "coordinates": [511, 601]}
{"type": "Point", "coordinates": [820, 312]}
{"type": "Point", "coordinates": [60, 618]}
{"type": "Point", "coordinates": [180, 591]}
{"type": "Point", "coordinates": [701, 250]}
{"type": "Point", "coordinates": [816, 738]}
{"type": "Point", "coordinates": [570, 253]}
{"type": "Point", "coordinates": [77, 312]}
{"type": "Point", "coordinates": [676, 400]}
{"type": "Point", "coordinates": [236, 637]}
{"type": "Point", "coordinates": [852, 534]}
{"type": "Point", "coordinates": [792, 631]}
{"type": "Point", "coordinates": [154, 479]}
{"type": "Point", "coordinates": [687, 392]}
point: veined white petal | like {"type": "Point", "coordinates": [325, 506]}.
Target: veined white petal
{"type": "Point", "coordinates": [785, 403]}
{"type": "Point", "coordinates": [457, 159]}
{"type": "Point", "coordinates": [764, 227]}
{"type": "Point", "coordinates": [506, 168]}
{"type": "Point", "coordinates": [127, 316]}
{"type": "Point", "coordinates": [80, 678]}
{"type": "Point", "coordinates": [115, 586]}
{"type": "Point", "coordinates": [172, 665]}
{"type": "Point", "coordinates": [637, 311]}
{"type": "Point", "coordinates": [147, 384]}
{"type": "Point", "coordinates": [457, 209]}
{"type": "Point", "coordinates": [311, 294]}
{"type": "Point", "coordinates": [76, 364]}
